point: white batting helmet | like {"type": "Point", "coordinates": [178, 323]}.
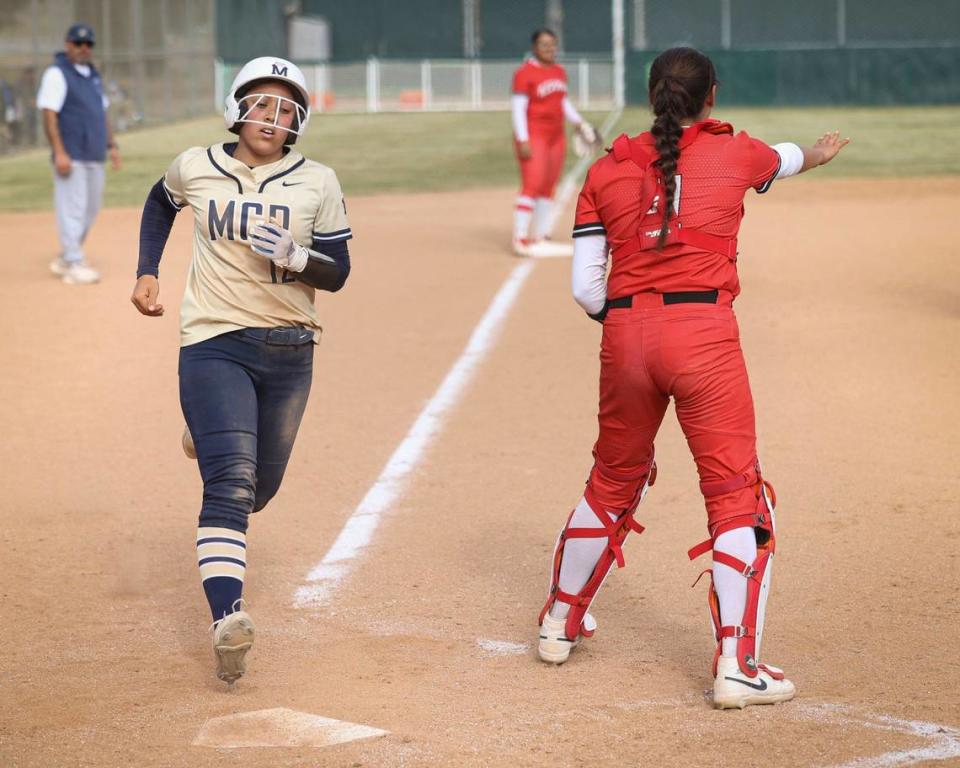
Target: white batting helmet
{"type": "Point", "coordinates": [263, 69]}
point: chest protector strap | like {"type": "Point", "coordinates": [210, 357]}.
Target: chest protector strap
{"type": "Point", "coordinates": [626, 149]}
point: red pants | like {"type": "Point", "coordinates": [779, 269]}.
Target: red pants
{"type": "Point", "coordinates": [539, 174]}
{"type": "Point", "coordinates": [690, 352]}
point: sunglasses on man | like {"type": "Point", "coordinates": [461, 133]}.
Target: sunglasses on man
{"type": "Point", "coordinates": [83, 44]}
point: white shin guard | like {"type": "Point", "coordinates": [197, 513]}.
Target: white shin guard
{"type": "Point", "coordinates": [743, 550]}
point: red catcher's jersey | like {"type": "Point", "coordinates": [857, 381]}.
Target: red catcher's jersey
{"type": "Point", "coordinates": [713, 175]}
{"type": "Point", "coordinates": [545, 86]}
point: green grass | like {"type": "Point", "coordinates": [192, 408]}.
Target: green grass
{"type": "Point", "coordinates": [887, 141]}
{"type": "Point", "coordinates": [393, 153]}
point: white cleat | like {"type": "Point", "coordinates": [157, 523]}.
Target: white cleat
{"type": "Point", "coordinates": [186, 441]}
{"type": "Point", "coordinates": [547, 249]}
{"type": "Point", "coordinates": [74, 272]}
{"type": "Point", "coordinates": [521, 247]}
{"type": "Point", "coordinates": [232, 638]}
{"type": "Point", "coordinates": [555, 646]}
{"type": "Point", "coordinates": [733, 689]}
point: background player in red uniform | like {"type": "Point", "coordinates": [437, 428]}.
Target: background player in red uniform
{"type": "Point", "coordinates": [540, 104]}
{"type": "Point", "coordinates": [667, 206]}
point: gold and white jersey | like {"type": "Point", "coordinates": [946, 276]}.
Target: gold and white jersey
{"type": "Point", "coordinates": [229, 286]}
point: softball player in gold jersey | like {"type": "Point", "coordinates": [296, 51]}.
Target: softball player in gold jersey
{"type": "Point", "coordinates": [270, 228]}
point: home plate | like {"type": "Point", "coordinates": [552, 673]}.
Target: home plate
{"type": "Point", "coordinates": [280, 727]}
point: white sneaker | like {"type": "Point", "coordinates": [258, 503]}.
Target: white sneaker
{"type": "Point", "coordinates": [555, 646]}
{"type": "Point", "coordinates": [547, 249]}
{"type": "Point", "coordinates": [74, 272]}
{"type": "Point", "coordinates": [186, 440]}
{"type": "Point", "coordinates": [732, 688]}
{"type": "Point", "coordinates": [232, 638]}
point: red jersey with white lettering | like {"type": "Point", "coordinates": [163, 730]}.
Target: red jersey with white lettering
{"type": "Point", "coordinates": [713, 175]}
{"type": "Point", "coordinates": [545, 86]}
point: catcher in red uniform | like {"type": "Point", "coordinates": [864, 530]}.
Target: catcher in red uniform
{"type": "Point", "coordinates": [539, 105]}
{"type": "Point", "coordinates": [665, 208]}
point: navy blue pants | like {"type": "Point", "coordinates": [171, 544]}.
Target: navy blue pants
{"type": "Point", "coordinates": [243, 394]}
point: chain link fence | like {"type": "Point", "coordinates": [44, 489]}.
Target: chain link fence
{"type": "Point", "coordinates": [159, 57]}
{"type": "Point", "coordinates": [820, 52]}
{"type": "Point", "coordinates": [768, 24]}
{"type": "Point", "coordinates": [156, 58]}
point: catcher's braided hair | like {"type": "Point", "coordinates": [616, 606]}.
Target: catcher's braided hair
{"type": "Point", "coordinates": [680, 81]}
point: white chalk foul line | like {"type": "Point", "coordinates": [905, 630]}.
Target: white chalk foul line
{"type": "Point", "coordinates": [359, 529]}
{"type": "Point", "coordinates": [501, 647]}
{"type": "Point", "coordinates": [942, 741]}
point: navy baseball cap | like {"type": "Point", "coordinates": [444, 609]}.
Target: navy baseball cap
{"type": "Point", "coordinates": [80, 33]}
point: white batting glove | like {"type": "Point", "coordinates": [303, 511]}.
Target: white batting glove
{"type": "Point", "coordinates": [277, 244]}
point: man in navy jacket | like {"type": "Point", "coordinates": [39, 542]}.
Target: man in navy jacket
{"type": "Point", "coordinates": [75, 120]}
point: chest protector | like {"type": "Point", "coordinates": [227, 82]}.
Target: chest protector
{"type": "Point", "coordinates": [627, 150]}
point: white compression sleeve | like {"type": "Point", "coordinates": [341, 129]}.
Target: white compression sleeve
{"type": "Point", "coordinates": [570, 112]}
{"type": "Point", "coordinates": [518, 105]}
{"type": "Point", "coordinates": [580, 556]}
{"type": "Point", "coordinates": [731, 586]}
{"type": "Point", "coordinates": [590, 272]}
{"type": "Point", "coordinates": [791, 159]}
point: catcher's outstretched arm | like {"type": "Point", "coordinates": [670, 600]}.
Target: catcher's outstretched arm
{"type": "Point", "coordinates": [823, 151]}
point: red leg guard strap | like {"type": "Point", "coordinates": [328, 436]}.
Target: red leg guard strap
{"type": "Point", "coordinates": [615, 531]}
{"type": "Point", "coordinates": [736, 563]}
{"type": "Point", "coordinates": [738, 631]}
{"type": "Point", "coordinates": [744, 480]}
{"type": "Point", "coordinates": [776, 674]}
{"type": "Point", "coordinates": [745, 632]}
{"type": "Point", "coordinates": [761, 518]}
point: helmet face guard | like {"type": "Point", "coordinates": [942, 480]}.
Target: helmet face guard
{"type": "Point", "coordinates": [243, 96]}
{"type": "Point", "coordinates": [274, 104]}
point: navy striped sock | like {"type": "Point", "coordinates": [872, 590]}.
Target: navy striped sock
{"type": "Point", "coordinates": [221, 554]}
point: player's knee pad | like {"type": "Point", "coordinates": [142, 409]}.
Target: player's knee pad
{"type": "Point", "coordinates": [579, 621]}
{"type": "Point", "coordinates": [619, 487]}
{"type": "Point", "coordinates": [749, 632]}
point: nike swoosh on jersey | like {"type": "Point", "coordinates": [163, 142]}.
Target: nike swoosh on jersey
{"type": "Point", "coordinates": [290, 183]}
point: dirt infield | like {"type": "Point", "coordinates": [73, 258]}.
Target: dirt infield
{"type": "Point", "coordinates": [849, 318]}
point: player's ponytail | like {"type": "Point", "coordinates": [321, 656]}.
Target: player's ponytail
{"type": "Point", "coordinates": [680, 82]}
{"type": "Point", "coordinates": [668, 107]}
